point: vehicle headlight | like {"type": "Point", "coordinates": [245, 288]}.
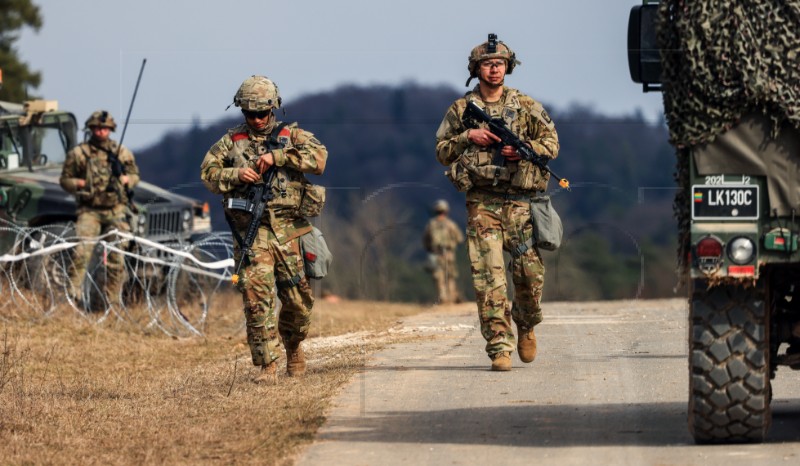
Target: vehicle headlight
{"type": "Point", "coordinates": [187, 220]}
{"type": "Point", "coordinates": [141, 222]}
{"type": "Point", "coordinates": [741, 250]}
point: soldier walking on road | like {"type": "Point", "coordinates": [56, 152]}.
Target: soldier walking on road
{"type": "Point", "coordinates": [231, 166]}
{"type": "Point", "coordinates": [499, 187]}
{"type": "Point", "coordinates": [440, 239]}
{"type": "Point", "coordinates": [99, 173]}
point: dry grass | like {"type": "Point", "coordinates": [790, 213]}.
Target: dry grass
{"type": "Point", "coordinates": [72, 391]}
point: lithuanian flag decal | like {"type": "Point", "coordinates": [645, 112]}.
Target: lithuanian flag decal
{"type": "Point", "coordinates": [698, 197]}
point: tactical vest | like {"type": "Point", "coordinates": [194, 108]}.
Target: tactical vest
{"type": "Point", "coordinates": [484, 167]}
{"type": "Point", "coordinates": [293, 194]}
{"type": "Point", "coordinates": [104, 190]}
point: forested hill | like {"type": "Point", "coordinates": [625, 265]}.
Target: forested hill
{"type": "Point", "coordinates": [382, 176]}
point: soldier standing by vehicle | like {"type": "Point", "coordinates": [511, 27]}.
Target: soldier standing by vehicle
{"type": "Point", "coordinates": [237, 162]}
{"type": "Point", "coordinates": [499, 187]}
{"type": "Point", "coordinates": [440, 239]}
{"type": "Point", "coordinates": [99, 173]}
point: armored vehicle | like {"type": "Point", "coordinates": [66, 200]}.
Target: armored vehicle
{"type": "Point", "coordinates": [728, 73]}
{"type": "Point", "coordinates": [34, 140]}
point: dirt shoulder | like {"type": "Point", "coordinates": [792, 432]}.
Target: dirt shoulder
{"type": "Point", "coordinates": [75, 391]}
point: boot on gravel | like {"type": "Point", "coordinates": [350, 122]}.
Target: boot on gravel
{"type": "Point", "coordinates": [268, 373]}
{"type": "Point", "coordinates": [501, 361]}
{"type": "Point", "coordinates": [526, 344]}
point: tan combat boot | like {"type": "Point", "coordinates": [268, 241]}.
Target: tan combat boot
{"type": "Point", "coordinates": [268, 373]}
{"type": "Point", "coordinates": [295, 360]}
{"type": "Point", "coordinates": [501, 361]}
{"type": "Point", "coordinates": [526, 344]}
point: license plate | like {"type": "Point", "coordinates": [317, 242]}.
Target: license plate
{"type": "Point", "coordinates": [726, 202]}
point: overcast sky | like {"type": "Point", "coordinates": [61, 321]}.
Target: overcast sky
{"type": "Point", "coordinates": [90, 51]}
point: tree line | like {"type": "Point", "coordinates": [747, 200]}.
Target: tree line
{"type": "Point", "coordinates": [382, 178]}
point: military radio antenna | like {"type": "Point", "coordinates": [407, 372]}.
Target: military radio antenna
{"type": "Point", "coordinates": [133, 99]}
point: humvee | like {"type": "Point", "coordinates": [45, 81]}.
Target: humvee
{"type": "Point", "coordinates": [721, 66]}
{"type": "Point", "coordinates": [34, 140]}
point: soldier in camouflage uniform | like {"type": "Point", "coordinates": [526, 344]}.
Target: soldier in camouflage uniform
{"type": "Point", "coordinates": [440, 239]}
{"type": "Point", "coordinates": [498, 188]}
{"type": "Point", "coordinates": [229, 168]}
{"type": "Point", "coordinates": [102, 199]}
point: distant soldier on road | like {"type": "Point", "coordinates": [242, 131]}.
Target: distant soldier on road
{"type": "Point", "coordinates": [100, 185]}
{"type": "Point", "coordinates": [499, 187]}
{"type": "Point", "coordinates": [231, 166]}
{"type": "Point", "coordinates": [440, 239]}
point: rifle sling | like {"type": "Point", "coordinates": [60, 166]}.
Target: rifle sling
{"type": "Point", "coordinates": [236, 235]}
{"type": "Point", "coordinates": [273, 139]}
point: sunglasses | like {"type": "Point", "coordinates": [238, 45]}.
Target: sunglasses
{"type": "Point", "coordinates": [260, 114]}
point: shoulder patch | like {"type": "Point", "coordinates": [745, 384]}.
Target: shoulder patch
{"type": "Point", "coordinates": [238, 136]}
{"type": "Point", "coordinates": [538, 112]}
{"type": "Point", "coordinates": [285, 132]}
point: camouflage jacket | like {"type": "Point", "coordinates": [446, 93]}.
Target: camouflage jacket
{"type": "Point", "coordinates": [525, 116]}
{"type": "Point", "coordinates": [441, 234]}
{"type": "Point", "coordinates": [90, 163]}
{"type": "Point", "coordinates": [239, 148]}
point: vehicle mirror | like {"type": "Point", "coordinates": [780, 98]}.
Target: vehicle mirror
{"type": "Point", "coordinates": [3, 198]}
{"type": "Point", "coordinates": [644, 54]}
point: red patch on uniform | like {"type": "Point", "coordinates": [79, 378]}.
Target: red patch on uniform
{"type": "Point", "coordinates": [238, 137]}
{"type": "Point", "coordinates": [310, 256]}
{"type": "Point", "coordinates": [285, 132]}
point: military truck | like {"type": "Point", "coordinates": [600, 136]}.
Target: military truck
{"type": "Point", "coordinates": [34, 140]}
{"type": "Point", "coordinates": [728, 74]}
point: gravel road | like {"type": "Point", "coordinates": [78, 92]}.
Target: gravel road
{"type": "Point", "coordinates": [609, 386]}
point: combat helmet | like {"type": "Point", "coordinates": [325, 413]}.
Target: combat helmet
{"type": "Point", "coordinates": [492, 48]}
{"type": "Point", "coordinates": [441, 206]}
{"type": "Point", "coordinates": [257, 93]}
{"type": "Point", "coordinates": [102, 119]}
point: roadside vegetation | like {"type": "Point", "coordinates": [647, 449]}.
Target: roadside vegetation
{"type": "Point", "coordinates": [77, 392]}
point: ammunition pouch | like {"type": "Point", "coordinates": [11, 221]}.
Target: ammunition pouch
{"type": "Point", "coordinates": [313, 201]}
{"type": "Point", "coordinates": [529, 177]}
{"type": "Point", "coordinates": [287, 193]}
{"type": "Point", "coordinates": [489, 175]}
{"type": "Point", "coordinates": [524, 176]}
{"type": "Point", "coordinates": [459, 176]}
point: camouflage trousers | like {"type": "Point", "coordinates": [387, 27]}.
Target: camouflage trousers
{"type": "Point", "coordinates": [92, 223]}
{"type": "Point", "coordinates": [273, 266]}
{"type": "Point", "coordinates": [495, 225]}
{"type": "Point", "coordinates": [445, 276]}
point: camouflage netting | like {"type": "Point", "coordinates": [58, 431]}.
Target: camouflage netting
{"type": "Point", "coordinates": [723, 59]}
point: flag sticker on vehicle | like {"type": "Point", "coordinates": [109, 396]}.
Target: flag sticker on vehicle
{"type": "Point", "coordinates": [725, 202]}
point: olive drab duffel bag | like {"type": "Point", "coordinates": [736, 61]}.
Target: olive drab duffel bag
{"type": "Point", "coordinates": [316, 255]}
{"type": "Point", "coordinates": [547, 227]}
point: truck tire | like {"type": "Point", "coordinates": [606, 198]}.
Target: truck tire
{"type": "Point", "coordinates": [729, 377]}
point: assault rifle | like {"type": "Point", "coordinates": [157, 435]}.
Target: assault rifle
{"type": "Point", "coordinates": [117, 170]}
{"type": "Point", "coordinates": [258, 196]}
{"type": "Point", "coordinates": [507, 138]}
